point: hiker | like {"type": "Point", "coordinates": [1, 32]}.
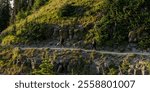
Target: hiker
{"type": "Point", "coordinates": [71, 33]}
{"type": "Point", "coordinates": [132, 37]}
{"type": "Point", "coordinates": [94, 44]}
{"type": "Point", "coordinates": [62, 40]}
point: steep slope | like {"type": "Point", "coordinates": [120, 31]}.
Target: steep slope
{"type": "Point", "coordinates": [109, 25]}
{"type": "Point", "coordinates": [45, 21]}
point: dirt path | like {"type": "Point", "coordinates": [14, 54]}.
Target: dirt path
{"type": "Point", "coordinates": [102, 52]}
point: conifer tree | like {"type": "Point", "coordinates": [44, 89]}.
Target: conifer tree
{"type": "Point", "coordinates": [4, 14]}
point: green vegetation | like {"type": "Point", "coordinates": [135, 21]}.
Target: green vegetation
{"type": "Point", "coordinates": [22, 15]}
{"type": "Point", "coordinates": [37, 32]}
{"type": "Point", "coordinates": [69, 10]}
{"type": "Point", "coordinates": [45, 69]}
{"type": "Point", "coordinates": [4, 14]}
{"type": "Point", "coordinates": [39, 3]}
{"type": "Point", "coordinates": [110, 22]}
{"type": "Point", "coordinates": [48, 62]}
{"type": "Point", "coordinates": [116, 25]}
{"type": "Point", "coordinates": [121, 17]}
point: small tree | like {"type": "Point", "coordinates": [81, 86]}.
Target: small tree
{"type": "Point", "coordinates": [46, 68]}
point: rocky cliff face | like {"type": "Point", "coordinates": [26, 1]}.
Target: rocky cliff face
{"type": "Point", "coordinates": [71, 61]}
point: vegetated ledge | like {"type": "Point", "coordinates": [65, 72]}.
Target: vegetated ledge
{"type": "Point", "coordinates": [47, 61]}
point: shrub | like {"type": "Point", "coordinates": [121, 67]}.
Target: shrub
{"type": "Point", "coordinates": [120, 17]}
{"type": "Point", "coordinates": [112, 71]}
{"type": "Point", "coordinates": [69, 10]}
{"type": "Point", "coordinates": [39, 3]}
{"type": "Point", "coordinates": [125, 67]}
{"type": "Point", "coordinates": [16, 54]}
{"type": "Point", "coordinates": [10, 39]}
{"type": "Point", "coordinates": [45, 69]}
{"type": "Point", "coordinates": [144, 43]}
{"type": "Point", "coordinates": [33, 32]}
{"type": "Point", "coordinates": [22, 14]}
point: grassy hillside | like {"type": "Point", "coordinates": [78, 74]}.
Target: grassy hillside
{"type": "Point", "coordinates": [48, 16]}
{"type": "Point", "coordinates": [110, 22]}
{"type": "Point", "coordinates": [116, 25]}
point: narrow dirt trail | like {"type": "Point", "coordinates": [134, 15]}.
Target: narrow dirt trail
{"type": "Point", "coordinates": [102, 52]}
